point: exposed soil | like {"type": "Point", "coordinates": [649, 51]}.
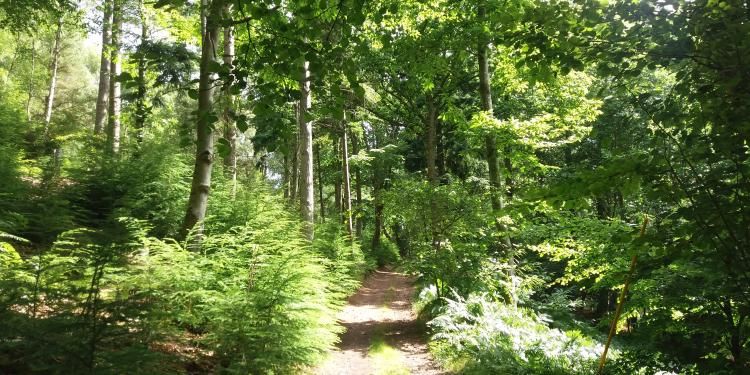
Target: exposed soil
{"type": "Point", "coordinates": [381, 310]}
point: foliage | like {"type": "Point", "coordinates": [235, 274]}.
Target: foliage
{"type": "Point", "coordinates": [497, 338]}
{"type": "Point", "coordinates": [516, 188]}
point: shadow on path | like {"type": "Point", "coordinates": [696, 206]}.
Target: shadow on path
{"type": "Point", "coordinates": [381, 310]}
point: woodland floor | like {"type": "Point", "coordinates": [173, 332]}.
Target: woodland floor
{"type": "Point", "coordinates": [382, 334]}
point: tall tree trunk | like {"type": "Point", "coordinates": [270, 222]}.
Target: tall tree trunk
{"type": "Point", "coordinates": [285, 177]}
{"type": "Point", "coordinates": [358, 192]}
{"type": "Point", "coordinates": [230, 130]}
{"type": "Point", "coordinates": [307, 194]}
{"type": "Point", "coordinates": [201, 183]}
{"type": "Point", "coordinates": [490, 144]}
{"type": "Point", "coordinates": [337, 182]}
{"type": "Point", "coordinates": [440, 148]}
{"type": "Point", "coordinates": [377, 201]}
{"type": "Point", "coordinates": [102, 97]}
{"type": "Point", "coordinates": [31, 79]}
{"type": "Point", "coordinates": [293, 182]}
{"type": "Point", "coordinates": [347, 183]}
{"type": "Point", "coordinates": [54, 63]}
{"type": "Point", "coordinates": [141, 111]}
{"type": "Point", "coordinates": [320, 184]}
{"type": "Point", "coordinates": [113, 126]}
{"type": "Point", "coordinates": [432, 175]}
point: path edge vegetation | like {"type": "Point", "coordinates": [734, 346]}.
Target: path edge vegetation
{"type": "Point", "coordinates": [201, 184]}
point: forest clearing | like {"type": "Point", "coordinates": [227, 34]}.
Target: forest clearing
{"type": "Point", "coordinates": [376, 187]}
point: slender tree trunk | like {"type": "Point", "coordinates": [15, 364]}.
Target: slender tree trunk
{"type": "Point", "coordinates": [102, 97]}
{"type": "Point", "coordinates": [358, 191]}
{"type": "Point", "coordinates": [230, 130]}
{"type": "Point", "coordinates": [347, 183]}
{"type": "Point", "coordinates": [337, 182]}
{"type": "Point", "coordinates": [113, 126]}
{"type": "Point", "coordinates": [307, 195]}
{"type": "Point", "coordinates": [54, 64]}
{"type": "Point", "coordinates": [201, 183]}
{"type": "Point", "coordinates": [378, 205]}
{"type": "Point", "coordinates": [204, 15]}
{"type": "Point", "coordinates": [440, 148]}
{"type": "Point", "coordinates": [490, 144]}
{"type": "Point", "coordinates": [432, 175]}
{"type": "Point", "coordinates": [320, 184]}
{"type": "Point", "coordinates": [31, 79]}
{"type": "Point", "coordinates": [285, 178]}
{"type": "Point", "coordinates": [378, 182]}
{"type": "Point", "coordinates": [293, 182]}
{"type": "Point", "coordinates": [141, 110]}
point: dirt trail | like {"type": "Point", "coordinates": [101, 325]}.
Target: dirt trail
{"type": "Point", "coordinates": [382, 335]}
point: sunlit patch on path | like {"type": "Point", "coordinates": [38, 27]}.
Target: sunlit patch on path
{"type": "Point", "coordinates": [382, 335]}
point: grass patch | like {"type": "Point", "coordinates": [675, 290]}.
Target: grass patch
{"type": "Point", "coordinates": [386, 359]}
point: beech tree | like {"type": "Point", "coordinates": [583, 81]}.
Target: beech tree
{"type": "Point", "coordinates": [556, 175]}
{"type": "Point", "coordinates": [201, 181]}
{"type": "Point", "coordinates": [104, 73]}
{"type": "Point", "coordinates": [53, 67]}
{"type": "Point", "coordinates": [115, 66]}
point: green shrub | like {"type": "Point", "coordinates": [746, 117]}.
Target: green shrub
{"type": "Point", "coordinates": [494, 338]}
{"type": "Point", "coordinates": [70, 308]}
{"type": "Point", "coordinates": [256, 298]}
{"type": "Point", "coordinates": [260, 297]}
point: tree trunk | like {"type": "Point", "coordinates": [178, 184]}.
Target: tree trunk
{"type": "Point", "coordinates": [201, 183]}
{"type": "Point", "coordinates": [53, 76]}
{"type": "Point", "coordinates": [358, 192]}
{"type": "Point", "coordinates": [337, 183]}
{"type": "Point", "coordinates": [320, 184]}
{"type": "Point", "coordinates": [432, 176]}
{"type": "Point", "coordinates": [378, 205]}
{"type": "Point", "coordinates": [31, 79]}
{"type": "Point", "coordinates": [230, 130]}
{"type": "Point", "coordinates": [440, 149]}
{"type": "Point", "coordinates": [113, 126]}
{"type": "Point", "coordinates": [285, 178]}
{"type": "Point", "coordinates": [307, 194]}
{"type": "Point", "coordinates": [102, 97]}
{"type": "Point", "coordinates": [490, 144]}
{"type": "Point", "coordinates": [347, 183]}
{"type": "Point", "coordinates": [293, 182]}
{"type": "Point", "coordinates": [141, 110]}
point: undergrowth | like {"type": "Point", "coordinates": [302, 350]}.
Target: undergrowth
{"type": "Point", "coordinates": [114, 294]}
{"type": "Point", "coordinates": [479, 336]}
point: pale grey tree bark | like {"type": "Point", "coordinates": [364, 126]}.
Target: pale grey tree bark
{"type": "Point", "coordinates": [53, 66]}
{"type": "Point", "coordinates": [204, 157]}
{"type": "Point", "coordinates": [230, 130]}
{"type": "Point", "coordinates": [347, 181]}
{"type": "Point", "coordinates": [31, 87]}
{"type": "Point", "coordinates": [115, 66]}
{"type": "Point", "coordinates": [307, 194]}
{"type": "Point", "coordinates": [294, 168]}
{"type": "Point", "coordinates": [102, 97]}
{"type": "Point", "coordinates": [320, 184]}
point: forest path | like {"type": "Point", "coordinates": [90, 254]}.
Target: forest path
{"type": "Point", "coordinates": [382, 334]}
